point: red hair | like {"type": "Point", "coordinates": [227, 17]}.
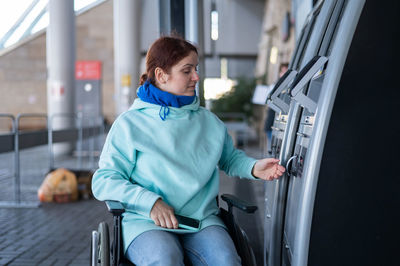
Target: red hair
{"type": "Point", "coordinates": [164, 53]}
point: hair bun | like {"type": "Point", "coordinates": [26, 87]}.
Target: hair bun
{"type": "Point", "coordinates": [143, 78]}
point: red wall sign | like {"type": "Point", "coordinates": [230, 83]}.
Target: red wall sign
{"type": "Point", "coordinates": [85, 70]}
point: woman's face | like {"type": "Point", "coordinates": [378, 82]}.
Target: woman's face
{"type": "Point", "coordinates": [182, 78]}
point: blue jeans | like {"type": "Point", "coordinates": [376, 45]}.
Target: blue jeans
{"type": "Point", "coordinates": [210, 246]}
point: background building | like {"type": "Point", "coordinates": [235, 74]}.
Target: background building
{"type": "Point", "coordinates": [23, 64]}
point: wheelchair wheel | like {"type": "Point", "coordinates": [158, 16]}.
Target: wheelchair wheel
{"type": "Point", "coordinates": [93, 248]}
{"type": "Point", "coordinates": [103, 254]}
{"type": "Point", "coordinates": [239, 238]}
{"type": "Point", "coordinates": [247, 251]}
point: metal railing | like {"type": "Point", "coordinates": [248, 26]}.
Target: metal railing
{"type": "Point", "coordinates": [16, 140]}
{"type": "Point", "coordinates": [17, 173]}
{"type": "Point", "coordinates": [50, 136]}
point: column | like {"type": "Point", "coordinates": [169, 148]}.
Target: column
{"type": "Point", "coordinates": [194, 32]}
{"type": "Point", "coordinates": [60, 57]}
{"type": "Point", "coordinates": [127, 57]}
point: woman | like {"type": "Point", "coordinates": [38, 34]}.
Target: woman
{"type": "Point", "coordinates": [161, 158]}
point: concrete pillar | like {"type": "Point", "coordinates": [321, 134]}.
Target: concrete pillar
{"type": "Point", "coordinates": [165, 16]}
{"type": "Point", "coordinates": [194, 32]}
{"type": "Point", "coordinates": [192, 21]}
{"type": "Point", "coordinates": [60, 56]}
{"type": "Point", "coordinates": [178, 17]}
{"type": "Point", "coordinates": [172, 17]}
{"type": "Point", "coordinates": [127, 57]}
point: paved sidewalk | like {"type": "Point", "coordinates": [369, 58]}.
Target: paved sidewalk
{"type": "Point", "coordinates": [54, 234]}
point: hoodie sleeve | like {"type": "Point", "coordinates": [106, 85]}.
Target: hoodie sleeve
{"type": "Point", "coordinates": [112, 180]}
{"type": "Point", "coordinates": [235, 162]}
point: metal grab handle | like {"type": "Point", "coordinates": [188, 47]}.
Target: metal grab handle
{"type": "Point", "coordinates": [288, 163]}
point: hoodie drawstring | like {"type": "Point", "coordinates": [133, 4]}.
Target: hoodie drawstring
{"type": "Point", "coordinates": [164, 111]}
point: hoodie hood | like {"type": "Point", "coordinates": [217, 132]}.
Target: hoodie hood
{"type": "Point", "coordinates": [154, 109]}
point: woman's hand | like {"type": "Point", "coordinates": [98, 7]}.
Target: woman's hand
{"type": "Point", "coordinates": [163, 215]}
{"type": "Point", "coordinates": [268, 169]}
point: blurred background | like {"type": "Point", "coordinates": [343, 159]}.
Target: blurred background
{"type": "Point", "coordinates": [242, 44]}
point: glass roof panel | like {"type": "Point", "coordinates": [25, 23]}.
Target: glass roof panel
{"type": "Point", "coordinates": [10, 11]}
{"type": "Point", "coordinates": [42, 23]}
{"type": "Point", "coordinates": [21, 18]}
{"type": "Point", "coordinates": [25, 24]}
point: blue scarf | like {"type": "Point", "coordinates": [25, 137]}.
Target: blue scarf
{"type": "Point", "coordinates": [151, 94]}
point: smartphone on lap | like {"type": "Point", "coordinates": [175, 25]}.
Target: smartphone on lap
{"type": "Point", "coordinates": [188, 223]}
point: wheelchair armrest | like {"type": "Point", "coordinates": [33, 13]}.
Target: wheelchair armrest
{"type": "Point", "coordinates": [115, 207]}
{"type": "Point", "coordinates": [233, 201]}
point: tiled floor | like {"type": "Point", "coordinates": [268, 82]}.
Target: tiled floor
{"type": "Point", "coordinates": [54, 234]}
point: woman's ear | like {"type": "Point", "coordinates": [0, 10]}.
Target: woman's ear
{"type": "Point", "coordinates": [160, 75]}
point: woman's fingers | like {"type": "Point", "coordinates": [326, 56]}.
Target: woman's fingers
{"type": "Point", "coordinates": [281, 168]}
{"type": "Point", "coordinates": [174, 221]}
{"type": "Point", "coordinates": [162, 222]}
{"type": "Point", "coordinates": [163, 215]}
{"type": "Point", "coordinates": [163, 218]}
{"type": "Point", "coordinates": [273, 160]}
{"type": "Point", "coordinates": [156, 221]}
{"type": "Point", "coordinates": [276, 172]}
{"type": "Point", "coordinates": [168, 221]}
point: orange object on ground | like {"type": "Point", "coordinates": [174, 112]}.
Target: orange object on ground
{"type": "Point", "coordinates": [59, 186]}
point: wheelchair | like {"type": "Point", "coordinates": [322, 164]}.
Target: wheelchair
{"type": "Point", "coordinates": [104, 253]}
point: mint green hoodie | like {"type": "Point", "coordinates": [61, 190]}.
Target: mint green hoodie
{"type": "Point", "coordinates": [145, 158]}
